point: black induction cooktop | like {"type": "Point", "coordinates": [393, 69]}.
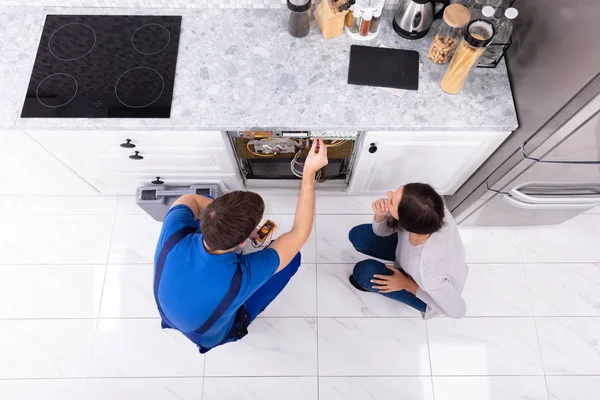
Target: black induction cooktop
{"type": "Point", "coordinates": [97, 66]}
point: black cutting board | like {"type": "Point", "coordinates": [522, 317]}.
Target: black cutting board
{"type": "Point", "coordinates": [378, 66]}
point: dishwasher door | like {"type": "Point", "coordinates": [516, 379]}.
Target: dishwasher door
{"type": "Point", "coordinates": [157, 200]}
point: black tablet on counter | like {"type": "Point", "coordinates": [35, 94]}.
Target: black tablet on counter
{"type": "Point", "coordinates": [384, 67]}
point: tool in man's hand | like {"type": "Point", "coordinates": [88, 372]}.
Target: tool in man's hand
{"type": "Point", "coordinates": [263, 233]}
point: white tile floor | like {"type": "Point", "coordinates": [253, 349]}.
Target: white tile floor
{"type": "Point", "coordinates": [78, 320]}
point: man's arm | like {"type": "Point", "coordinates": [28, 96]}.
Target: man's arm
{"type": "Point", "coordinates": [290, 243]}
{"type": "Point", "coordinates": [195, 202]}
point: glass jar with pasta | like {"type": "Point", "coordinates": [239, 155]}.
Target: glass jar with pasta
{"type": "Point", "coordinates": [449, 32]}
{"type": "Point", "coordinates": [477, 37]}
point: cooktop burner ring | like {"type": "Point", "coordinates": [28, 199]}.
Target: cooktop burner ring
{"type": "Point", "coordinates": [72, 58]}
{"type": "Point", "coordinates": [37, 90]}
{"type": "Point", "coordinates": [146, 26]}
{"type": "Point", "coordinates": [145, 105]}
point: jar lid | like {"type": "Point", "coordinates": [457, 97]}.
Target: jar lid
{"type": "Point", "coordinates": [479, 33]}
{"type": "Point", "coordinates": [511, 13]}
{"type": "Point", "coordinates": [298, 5]}
{"type": "Point", "coordinates": [457, 15]}
{"type": "Point", "coordinates": [488, 11]}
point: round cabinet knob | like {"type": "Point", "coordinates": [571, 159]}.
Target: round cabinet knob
{"type": "Point", "coordinates": [157, 181]}
{"type": "Point", "coordinates": [127, 144]}
{"type": "Point", "coordinates": [372, 148]}
{"type": "Point", "coordinates": [136, 156]}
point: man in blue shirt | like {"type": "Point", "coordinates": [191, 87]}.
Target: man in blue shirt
{"type": "Point", "coordinates": [202, 287]}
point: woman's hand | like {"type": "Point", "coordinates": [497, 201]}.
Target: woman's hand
{"type": "Point", "coordinates": [381, 208]}
{"type": "Point", "coordinates": [394, 283]}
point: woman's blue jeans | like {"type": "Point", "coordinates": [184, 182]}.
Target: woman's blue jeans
{"type": "Point", "coordinates": [365, 241]}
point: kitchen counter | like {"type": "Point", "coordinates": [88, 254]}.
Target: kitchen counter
{"type": "Point", "coordinates": [240, 69]}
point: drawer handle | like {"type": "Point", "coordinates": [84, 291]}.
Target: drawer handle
{"type": "Point", "coordinates": [136, 156]}
{"type": "Point", "coordinates": [372, 148]}
{"type": "Point", "coordinates": [157, 181]}
{"type": "Point", "coordinates": [127, 144]}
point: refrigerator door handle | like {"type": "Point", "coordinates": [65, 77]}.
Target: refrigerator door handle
{"type": "Point", "coordinates": [555, 206]}
{"type": "Point", "coordinates": [537, 160]}
{"type": "Point", "coordinates": [556, 189]}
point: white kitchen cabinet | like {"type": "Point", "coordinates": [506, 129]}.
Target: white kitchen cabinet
{"type": "Point", "coordinates": [27, 168]}
{"type": "Point", "coordinates": [443, 159]}
{"type": "Point", "coordinates": [101, 150]}
{"type": "Point", "coordinates": [177, 157]}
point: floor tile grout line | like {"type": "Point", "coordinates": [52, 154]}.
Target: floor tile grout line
{"type": "Point", "coordinates": [125, 264]}
{"type": "Point", "coordinates": [492, 263]}
{"type": "Point", "coordinates": [520, 247]}
{"type": "Point", "coordinates": [82, 265]}
{"type": "Point", "coordinates": [537, 333]}
{"type": "Point", "coordinates": [156, 317]}
{"type": "Point", "coordinates": [317, 304]}
{"type": "Point", "coordinates": [101, 299]}
{"type": "Point", "coordinates": [148, 264]}
{"type": "Point", "coordinates": [286, 376]}
{"type": "Point", "coordinates": [430, 363]}
{"type": "Point", "coordinates": [203, 378]}
{"type": "Point", "coordinates": [528, 284]}
{"type": "Point", "coordinates": [102, 293]}
{"type": "Point", "coordinates": [16, 205]}
{"type": "Point", "coordinates": [116, 207]}
{"type": "Point", "coordinates": [112, 234]}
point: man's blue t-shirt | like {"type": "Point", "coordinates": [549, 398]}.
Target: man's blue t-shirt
{"type": "Point", "coordinates": [194, 281]}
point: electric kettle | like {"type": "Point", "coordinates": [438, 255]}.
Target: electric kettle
{"type": "Point", "coordinates": [413, 18]}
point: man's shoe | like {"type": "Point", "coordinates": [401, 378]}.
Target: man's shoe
{"type": "Point", "coordinates": [356, 285]}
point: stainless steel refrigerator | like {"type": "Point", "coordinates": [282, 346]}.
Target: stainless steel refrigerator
{"type": "Point", "coordinates": [548, 170]}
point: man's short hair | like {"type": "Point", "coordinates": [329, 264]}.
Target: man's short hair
{"type": "Point", "coordinates": [230, 219]}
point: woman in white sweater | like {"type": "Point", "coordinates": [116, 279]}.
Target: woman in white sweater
{"type": "Point", "coordinates": [412, 228]}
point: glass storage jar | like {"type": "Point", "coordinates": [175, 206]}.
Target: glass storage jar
{"type": "Point", "coordinates": [478, 35]}
{"type": "Point", "coordinates": [449, 31]}
{"type": "Point", "coordinates": [299, 21]}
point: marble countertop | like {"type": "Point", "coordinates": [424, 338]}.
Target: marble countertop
{"type": "Point", "coordinates": [240, 69]}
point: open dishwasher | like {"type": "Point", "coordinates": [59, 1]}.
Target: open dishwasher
{"type": "Point", "coordinates": [275, 158]}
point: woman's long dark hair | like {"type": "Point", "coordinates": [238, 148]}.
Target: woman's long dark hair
{"type": "Point", "coordinates": [421, 210]}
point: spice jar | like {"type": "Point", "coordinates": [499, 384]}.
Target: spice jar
{"type": "Point", "coordinates": [357, 14]}
{"type": "Point", "coordinates": [375, 21]}
{"type": "Point", "coordinates": [449, 31]}
{"type": "Point", "coordinates": [299, 22]}
{"type": "Point", "coordinates": [478, 35]}
{"type": "Point", "coordinates": [365, 24]}
{"type": "Point", "coordinates": [350, 17]}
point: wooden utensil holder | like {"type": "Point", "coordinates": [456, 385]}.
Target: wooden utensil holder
{"type": "Point", "coordinates": [329, 19]}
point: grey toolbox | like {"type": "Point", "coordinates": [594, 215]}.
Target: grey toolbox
{"type": "Point", "coordinates": [156, 200]}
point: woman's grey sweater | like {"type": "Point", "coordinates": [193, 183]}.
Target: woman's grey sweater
{"type": "Point", "coordinates": [438, 266]}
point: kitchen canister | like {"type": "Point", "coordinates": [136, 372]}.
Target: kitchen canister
{"type": "Point", "coordinates": [299, 20]}
{"type": "Point", "coordinates": [477, 37]}
{"type": "Point", "coordinates": [449, 33]}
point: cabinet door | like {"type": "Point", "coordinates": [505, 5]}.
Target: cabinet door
{"type": "Point", "coordinates": [178, 158]}
{"type": "Point", "coordinates": [443, 159]}
{"type": "Point", "coordinates": [161, 150]}
{"type": "Point", "coordinates": [27, 168]}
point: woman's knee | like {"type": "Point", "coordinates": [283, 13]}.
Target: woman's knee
{"type": "Point", "coordinates": [359, 235]}
{"type": "Point", "coordinates": [364, 270]}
